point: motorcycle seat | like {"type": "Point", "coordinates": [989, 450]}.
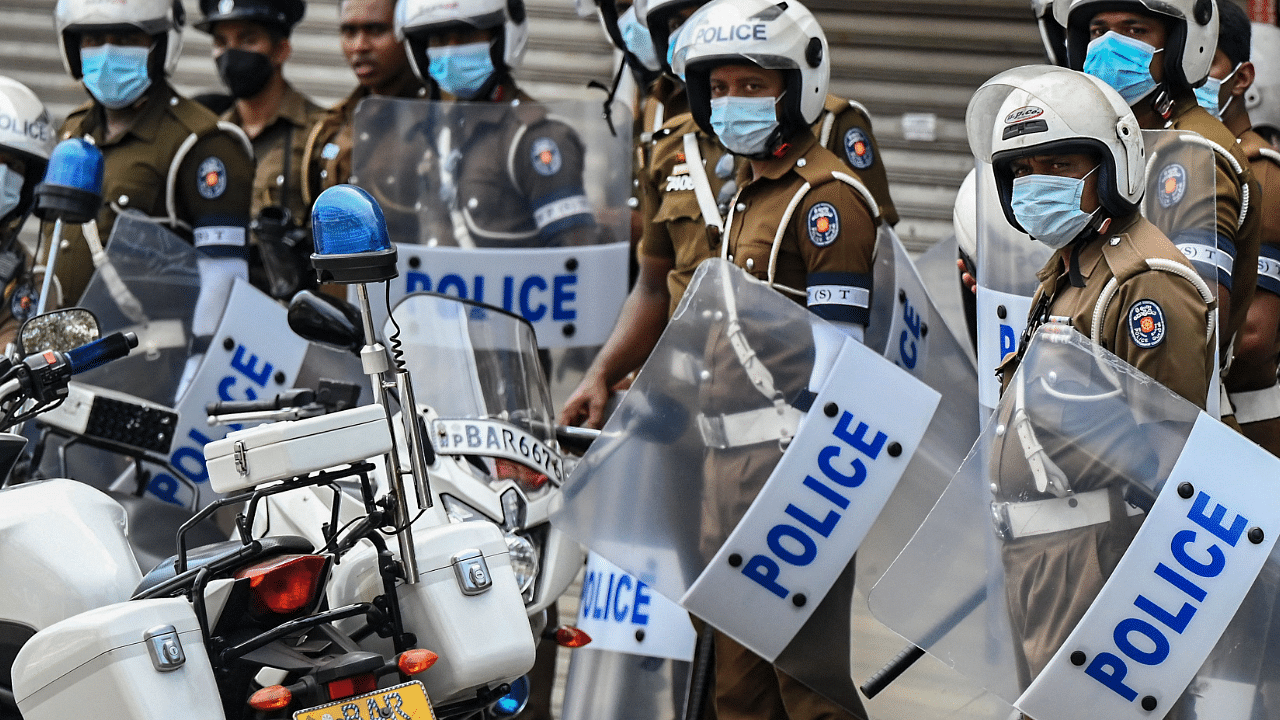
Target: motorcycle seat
{"type": "Point", "coordinates": [272, 546]}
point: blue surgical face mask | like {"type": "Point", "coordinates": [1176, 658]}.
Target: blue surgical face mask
{"type": "Point", "coordinates": [115, 75]}
{"type": "Point", "coordinates": [1123, 63]}
{"type": "Point", "coordinates": [636, 37]}
{"type": "Point", "coordinates": [744, 124]}
{"type": "Point", "coordinates": [1208, 93]}
{"type": "Point", "coordinates": [1048, 207]}
{"type": "Point", "coordinates": [462, 70]}
{"type": "Point", "coordinates": [10, 190]}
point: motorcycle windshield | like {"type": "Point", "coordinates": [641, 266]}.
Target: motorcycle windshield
{"type": "Point", "coordinates": [745, 466]}
{"type": "Point", "coordinates": [518, 205]}
{"type": "Point", "coordinates": [1064, 567]}
{"type": "Point", "coordinates": [148, 285]}
{"type": "Point", "coordinates": [472, 362]}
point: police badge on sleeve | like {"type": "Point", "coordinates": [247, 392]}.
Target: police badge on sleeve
{"type": "Point", "coordinates": [1146, 323]}
{"type": "Point", "coordinates": [824, 224]}
{"type": "Point", "coordinates": [211, 178]}
{"type": "Point", "coordinates": [547, 159]}
{"type": "Point", "coordinates": [857, 147]}
{"type": "Point", "coordinates": [1173, 185]}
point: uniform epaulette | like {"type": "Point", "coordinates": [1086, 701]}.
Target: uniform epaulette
{"type": "Point", "coordinates": [820, 173]}
{"type": "Point", "coordinates": [1123, 257]}
{"type": "Point", "coordinates": [193, 116]}
{"type": "Point", "coordinates": [837, 105]}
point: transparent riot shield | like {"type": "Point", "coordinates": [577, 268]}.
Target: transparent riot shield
{"type": "Point", "coordinates": [150, 285]}
{"type": "Point", "coordinates": [1101, 553]}
{"type": "Point", "coordinates": [1008, 261]}
{"type": "Point", "coordinates": [745, 466]}
{"type": "Point", "coordinates": [907, 328]}
{"type": "Point", "coordinates": [522, 206]}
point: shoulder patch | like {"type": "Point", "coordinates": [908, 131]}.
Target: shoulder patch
{"type": "Point", "coordinates": [23, 302]}
{"type": "Point", "coordinates": [857, 147]}
{"type": "Point", "coordinates": [1146, 323]}
{"type": "Point", "coordinates": [1173, 185]}
{"type": "Point", "coordinates": [824, 224]}
{"type": "Point", "coordinates": [547, 159]}
{"type": "Point", "coordinates": [211, 178]}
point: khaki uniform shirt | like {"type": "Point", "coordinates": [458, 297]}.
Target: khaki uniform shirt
{"type": "Point", "coordinates": [328, 148]}
{"type": "Point", "coordinates": [276, 181]}
{"type": "Point", "coordinates": [1188, 115]}
{"type": "Point", "coordinates": [827, 241]}
{"type": "Point", "coordinates": [518, 175]}
{"type": "Point", "coordinates": [211, 189]}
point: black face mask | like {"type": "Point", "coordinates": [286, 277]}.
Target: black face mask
{"type": "Point", "coordinates": [245, 73]}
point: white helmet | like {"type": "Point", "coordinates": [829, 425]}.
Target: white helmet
{"type": "Point", "coordinates": [1052, 35]}
{"type": "Point", "coordinates": [656, 15]}
{"type": "Point", "coordinates": [161, 19]}
{"type": "Point", "coordinates": [773, 35]}
{"type": "Point", "coordinates": [964, 215]}
{"type": "Point", "coordinates": [1188, 52]}
{"type": "Point", "coordinates": [1039, 109]}
{"type": "Point", "coordinates": [416, 19]}
{"type": "Point", "coordinates": [25, 130]}
{"type": "Point", "coordinates": [1262, 99]}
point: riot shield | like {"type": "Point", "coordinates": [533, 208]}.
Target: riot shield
{"type": "Point", "coordinates": [745, 466]}
{"type": "Point", "coordinates": [1008, 261]}
{"type": "Point", "coordinates": [150, 284]}
{"type": "Point", "coordinates": [522, 206]}
{"type": "Point", "coordinates": [1101, 553]}
{"type": "Point", "coordinates": [907, 328]}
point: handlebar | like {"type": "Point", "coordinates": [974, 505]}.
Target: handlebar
{"type": "Point", "coordinates": [288, 399]}
{"type": "Point", "coordinates": [101, 352]}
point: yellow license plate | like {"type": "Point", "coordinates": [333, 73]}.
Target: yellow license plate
{"type": "Point", "coordinates": [402, 702]}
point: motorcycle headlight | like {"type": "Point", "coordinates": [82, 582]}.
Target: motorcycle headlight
{"type": "Point", "coordinates": [524, 561]}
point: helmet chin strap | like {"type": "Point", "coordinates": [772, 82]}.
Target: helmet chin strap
{"type": "Point", "coordinates": [1162, 102]}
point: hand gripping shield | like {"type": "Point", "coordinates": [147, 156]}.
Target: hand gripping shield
{"type": "Point", "coordinates": [1140, 586]}
{"type": "Point", "coordinates": [744, 468]}
{"type": "Point", "coordinates": [521, 206]}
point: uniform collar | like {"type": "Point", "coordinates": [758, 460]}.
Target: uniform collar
{"type": "Point", "coordinates": [800, 146]}
{"type": "Point", "coordinates": [1057, 267]}
{"type": "Point", "coordinates": [293, 108]}
{"type": "Point", "coordinates": [406, 86]}
{"type": "Point", "coordinates": [145, 126]}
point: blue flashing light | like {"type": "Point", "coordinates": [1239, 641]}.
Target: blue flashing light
{"type": "Point", "coordinates": [76, 164]}
{"type": "Point", "coordinates": [512, 703]}
{"type": "Point", "coordinates": [346, 220]}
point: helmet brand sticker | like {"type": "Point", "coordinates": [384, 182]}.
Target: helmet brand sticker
{"type": "Point", "coordinates": [857, 147]}
{"type": "Point", "coordinates": [1173, 185]}
{"type": "Point", "coordinates": [546, 157]}
{"type": "Point", "coordinates": [1023, 114]}
{"type": "Point", "coordinates": [211, 178]}
{"type": "Point", "coordinates": [1146, 323]}
{"type": "Point", "coordinates": [824, 224]}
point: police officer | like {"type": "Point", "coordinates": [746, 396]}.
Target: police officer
{"type": "Point", "coordinates": [165, 156]}
{"type": "Point", "coordinates": [373, 50]}
{"type": "Point", "coordinates": [26, 140]}
{"type": "Point", "coordinates": [843, 126]}
{"type": "Point", "coordinates": [1068, 157]}
{"type": "Point", "coordinates": [1154, 52]}
{"type": "Point", "coordinates": [517, 175]}
{"type": "Point", "coordinates": [250, 48]}
{"type": "Point", "coordinates": [1251, 381]}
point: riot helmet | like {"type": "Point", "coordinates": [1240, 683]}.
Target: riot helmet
{"type": "Point", "coordinates": [1048, 110]}
{"type": "Point", "coordinates": [161, 19]}
{"type": "Point", "coordinates": [417, 20]}
{"type": "Point", "coordinates": [1188, 50]}
{"type": "Point", "coordinates": [1052, 35]}
{"type": "Point", "coordinates": [278, 15]}
{"type": "Point", "coordinates": [25, 132]}
{"type": "Point", "coordinates": [1262, 99]}
{"type": "Point", "coordinates": [657, 15]}
{"type": "Point", "coordinates": [781, 36]}
{"type": "Point", "coordinates": [632, 38]}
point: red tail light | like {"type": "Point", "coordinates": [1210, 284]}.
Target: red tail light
{"type": "Point", "coordinates": [273, 697]}
{"type": "Point", "coordinates": [284, 585]}
{"type": "Point", "coordinates": [357, 685]}
{"type": "Point", "coordinates": [571, 637]}
{"type": "Point", "coordinates": [527, 478]}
